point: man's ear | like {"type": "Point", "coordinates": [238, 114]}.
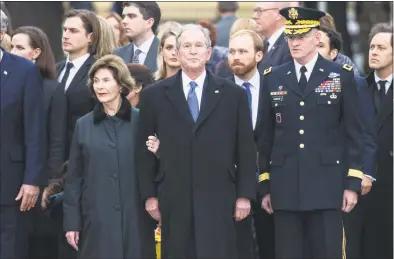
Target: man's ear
{"type": "Point", "coordinates": [333, 54]}
{"type": "Point", "coordinates": [259, 56]}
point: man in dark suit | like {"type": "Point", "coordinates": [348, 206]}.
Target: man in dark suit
{"type": "Point", "coordinates": [227, 18]}
{"type": "Point", "coordinates": [21, 157]}
{"type": "Point", "coordinates": [80, 37]}
{"type": "Point", "coordinates": [310, 121]}
{"type": "Point", "coordinates": [372, 223]}
{"type": "Point", "coordinates": [206, 175]}
{"type": "Point", "coordinates": [272, 26]}
{"type": "Point", "coordinates": [140, 20]}
{"type": "Point", "coordinates": [245, 51]}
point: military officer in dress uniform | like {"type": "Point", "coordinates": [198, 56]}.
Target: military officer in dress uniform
{"type": "Point", "coordinates": [309, 107]}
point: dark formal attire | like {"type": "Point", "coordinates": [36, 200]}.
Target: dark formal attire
{"type": "Point", "coordinates": [223, 27]}
{"type": "Point", "coordinates": [101, 196]}
{"type": "Point", "coordinates": [79, 99]}
{"type": "Point", "coordinates": [370, 225]}
{"type": "Point", "coordinates": [22, 138]}
{"type": "Point", "coordinates": [301, 151]}
{"type": "Point", "coordinates": [207, 161]}
{"type": "Point", "coordinates": [132, 54]}
{"type": "Point", "coordinates": [263, 222]}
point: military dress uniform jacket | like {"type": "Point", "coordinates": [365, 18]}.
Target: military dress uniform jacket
{"type": "Point", "coordinates": [301, 147]}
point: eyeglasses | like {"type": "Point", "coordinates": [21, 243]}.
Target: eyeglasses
{"type": "Point", "coordinates": [259, 11]}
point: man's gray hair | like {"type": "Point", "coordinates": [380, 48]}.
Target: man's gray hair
{"type": "Point", "coordinates": [3, 21]}
{"type": "Point", "coordinates": [192, 27]}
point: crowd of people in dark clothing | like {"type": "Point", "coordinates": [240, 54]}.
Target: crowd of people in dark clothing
{"type": "Point", "coordinates": [249, 138]}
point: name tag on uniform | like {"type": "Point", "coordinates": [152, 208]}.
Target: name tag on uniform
{"type": "Point", "coordinates": [279, 93]}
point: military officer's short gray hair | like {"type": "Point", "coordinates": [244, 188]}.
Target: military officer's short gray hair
{"type": "Point", "coordinates": [3, 21]}
{"type": "Point", "coordinates": [189, 27]}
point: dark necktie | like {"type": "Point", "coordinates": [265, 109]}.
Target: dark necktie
{"type": "Point", "coordinates": [192, 101]}
{"type": "Point", "coordinates": [382, 93]}
{"type": "Point", "coordinates": [66, 75]}
{"type": "Point", "coordinates": [302, 83]}
{"type": "Point", "coordinates": [266, 46]}
{"type": "Point", "coordinates": [247, 86]}
{"type": "Point", "coordinates": [136, 57]}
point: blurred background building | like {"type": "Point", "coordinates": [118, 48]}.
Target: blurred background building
{"type": "Point", "coordinates": [353, 19]}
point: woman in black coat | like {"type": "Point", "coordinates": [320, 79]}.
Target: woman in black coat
{"type": "Point", "coordinates": [104, 215]}
{"type": "Point", "coordinates": [32, 43]}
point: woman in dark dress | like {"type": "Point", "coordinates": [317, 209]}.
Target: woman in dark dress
{"type": "Point", "coordinates": [104, 216]}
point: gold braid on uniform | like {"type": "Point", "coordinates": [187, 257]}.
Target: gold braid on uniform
{"type": "Point", "coordinates": [297, 31]}
{"type": "Point", "coordinates": [347, 67]}
{"type": "Point", "coordinates": [264, 177]}
{"type": "Point", "coordinates": [355, 173]}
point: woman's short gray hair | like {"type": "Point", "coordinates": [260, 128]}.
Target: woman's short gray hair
{"type": "Point", "coordinates": [3, 21]}
{"type": "Point", "coordinates": [192, 27]}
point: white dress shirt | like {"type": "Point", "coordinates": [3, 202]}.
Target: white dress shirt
{"type": "Point", "coordinates": [1, 54]}
{"type": "Point", "coordinates": [274, 37]}
{"type": "Point", "coordinates": [389, 80]}
{"type": "Point", "coordinates": [309, 68]}
{"type": "Point", "coordinates": [255, 90]}
{"type": "Point", "coordinates": [200, 84]}
{"type": "Point", "coordinates": [78, 62]}
{"type": "Point", "coordinates": [144, 47]}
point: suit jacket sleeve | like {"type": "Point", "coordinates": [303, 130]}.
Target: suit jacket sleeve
{"type": "Point", "coordinates": [354, 131]}
{"type": "Point", "coordinates": [265, 140]}
{"type": "Point", "coordinates": [246, 152]}
{"type": "Point", "coordinates": [146, 160]}
{"type": "Point", "coordinates": [72, 220]}
{"type": "Point", "coordinates": [366, 107]}
{"type": "Point", "coordinates": [33, 116]}
{"type": "Point", "coordinates": [57, 132]}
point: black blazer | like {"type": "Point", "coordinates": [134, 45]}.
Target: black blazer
{"type": "Point", "coordinates": [21, 126]}
{"type": "Point", "coordinates": [79, 99]}
{"type": "Point", "coordinates": [55, 110]}
{"type": "Point", "coordinates": [257, 127]}
{"type": "Point", "coordinates": [384, 128]}
{"type": "Point", "coordinates": [278, 55]}
{"type": "Point", "coordinates": [127, 53]}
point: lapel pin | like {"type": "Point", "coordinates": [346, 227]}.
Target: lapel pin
{"type": "Point", "coordinates": [289, 72]}
{"type": "Point", "coordinates": [5, 73]}
{"type": "Point", "coordinates": [321, 69]}
{"type": "Point", "coordinates": [216, 91]}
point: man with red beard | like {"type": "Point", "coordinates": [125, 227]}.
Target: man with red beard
{"type": "Point", "coordinates": [245, 52]}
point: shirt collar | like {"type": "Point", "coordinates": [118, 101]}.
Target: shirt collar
{"type": "Point", "coordinates": [274, 37]}
{"type": "Point", "coordinates": [78, 62]}
{"type": "Point", "coordinates": [144, 47]}
{"type": "Point", "coordinates": [1, 54]}
{"type": "Point", "coordinates": [309, 66]}
{"type": "Point", "coordinates": [254, 81]}
{"type": "Point", "coordinates": [199, 80]}
{"type": "Point", "coordinates": [388, 79]}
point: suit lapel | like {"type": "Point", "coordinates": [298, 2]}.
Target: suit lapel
{"type": "Point", "coordinates": [5, 68]}
{"type": "Point", "coordinates": [211, 96]}
{"type": "Point", "coordinates": [319, 73]}
{"type": "Point", "coordinates": [260, 105]}
{"type": "Point", "coordinates": [386, 109]}
{"type": "Point", "coordinates": [151, 57]}
{"type": "Point", "coordinates": [60, 67]}
{"type": "Point", "coordinates": [291, 79]}
{"type": "Point", "coordinates": [82, 72]}
{"type": "Point", "coordinates": [130, 52]}
{"type": "Point", "coordinates": [176, 96]}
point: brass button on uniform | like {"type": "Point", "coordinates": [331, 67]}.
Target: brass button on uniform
{"type": "Point", "coordinates": [302, 145]}
{"type": "Point", "coordinates": [302, 117]}
{"type": "Point", "coordinates": [329, 102]}
{"type": "Point", "coordinates": [302, 103]}
{"type": "Point", "coordinates": [301, 132]}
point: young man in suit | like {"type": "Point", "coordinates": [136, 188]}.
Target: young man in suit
{"type": "Point", "coordinates": [272, 25]}
{"type": "Point", "coordinates": [21, 156]}
{"type": "Point", "coordinates": [140, 21]}
{"type": "Point", "coordinates": [245, 52]}
{"type": "Point", "coordinates": [206, 177]}
{"type": "Point", "coordinates": [80, 38]}
{"type": "Point", "coordinates": [355, 221]}
{"type": "Point", "coordinates": [373, 222]}
{"type": "Point", "coordinates": [310, 121]}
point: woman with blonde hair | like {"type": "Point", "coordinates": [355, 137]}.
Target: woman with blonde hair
{"type": "Point", "coordinates": [116, 22]}
{"type": "Point", "coordinates": [167, 61]}
{"type": "Point", "coordinates": [107, 42]}
{"type": "Point", "coordinates": [104, 215]}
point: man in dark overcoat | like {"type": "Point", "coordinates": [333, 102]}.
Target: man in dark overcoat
{"type": "Point", "coordinates": [206, 176]}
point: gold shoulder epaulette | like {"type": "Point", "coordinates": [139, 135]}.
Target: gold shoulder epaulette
{"type": "Point", "coordinates": [268, 70]}
{"type": "Point", "coordinates": [347, 67]}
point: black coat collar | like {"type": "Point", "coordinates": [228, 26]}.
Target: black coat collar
{"type": "Point", "coordinates": [124, 112]}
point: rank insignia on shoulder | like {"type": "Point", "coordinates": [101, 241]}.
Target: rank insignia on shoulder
{"type": "Point", "coordinates": [268, 70]}
{"type": "Point", "coordinates": [347, 67]}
